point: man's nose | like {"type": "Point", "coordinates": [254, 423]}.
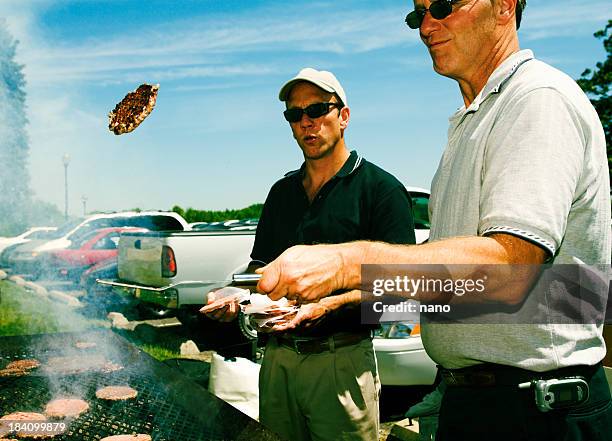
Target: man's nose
{"type": "Point", "coordinates": [306, 121]}
{"type": "Point", "coordinates": [428, 25]}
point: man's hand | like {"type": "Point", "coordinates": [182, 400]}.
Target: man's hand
{"type": "Point", "coordinates": [226, 313]}
{"type": "Point", "coordinates": [305, 273]}
{"type": "Point", "coordinates": [308, 315]}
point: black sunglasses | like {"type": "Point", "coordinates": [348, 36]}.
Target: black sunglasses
{"type": "Point", "coordinates": [439, 9]}
{"type": "Point", "coordinates": [313, 111]}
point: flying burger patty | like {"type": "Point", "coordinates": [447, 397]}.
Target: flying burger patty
{"type": "Point", "coordinates": [65, 407]}
{"type": "Point", "coordinates": [116, 393]}
{"type": "Point", "coordinates": [133, 109]}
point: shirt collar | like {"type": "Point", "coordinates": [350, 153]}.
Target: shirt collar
{"type": "Point", "coordinates": [500, 76]}
{"type": "Point", "coordinates": [351, 165]}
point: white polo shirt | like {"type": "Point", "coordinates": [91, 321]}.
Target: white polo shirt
{"type": "Point", "coordinates": [528, 158]}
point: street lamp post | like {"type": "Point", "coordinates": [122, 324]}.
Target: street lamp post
{"type": "Point", "coordinates": [66, 161]}
{"type": "Point", "coordinates": [84, 200]}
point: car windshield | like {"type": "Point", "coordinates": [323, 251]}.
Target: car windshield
{"type": "Point", "coordinates": [66, 228]}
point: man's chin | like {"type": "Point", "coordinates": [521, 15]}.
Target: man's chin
{"type": "Point", "coordinates": [314, 154]}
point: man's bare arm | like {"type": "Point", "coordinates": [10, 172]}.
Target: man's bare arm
{"type": "Point", "coordinates": [312, 272]}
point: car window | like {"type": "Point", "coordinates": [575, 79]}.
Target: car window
{"type": "Point", "coordinates": [41, 234]}
{"type": "Point", "coordinates": [399, 330]}
{"type": "Point", "coordinates": [107, 242]}
{"type": "Point", "coordinates": [153, 223]}
{"type": "Point", "coordinates": [79, 240]}
{"type": "Point", "coordinates": [67, 227]}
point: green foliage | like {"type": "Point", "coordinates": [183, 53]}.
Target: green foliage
{"type": "Point", "coordinates": [597, 82]}
{"type": "Point", "coordinates": [193, 215]}
{"type": "Point", "coordinates": [14, 146]}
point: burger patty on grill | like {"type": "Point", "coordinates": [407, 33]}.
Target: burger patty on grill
{"type": "Point", "coordinates": [19, 416]}
{"type": "Point", "coordinates": [65, 407]}
{"type": "Point", "coordinates": [19, 368]}
{"type": "Point", "coordinates": [23, 416]}
{"type": "Point", "coordinates": [85, 344]}
{"type": "Point", "coordinates": [139, 437]}
{"type": "Point", "coordinates": [116, 393]}
{"type": "Point", "coordinates": [80, 364]}
{"type": "Point", "coordinates": [26, 364]}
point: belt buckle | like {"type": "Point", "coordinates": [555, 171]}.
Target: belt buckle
{"type": "Point", "coordinates": [296, 344]}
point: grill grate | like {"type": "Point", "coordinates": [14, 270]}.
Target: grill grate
{"type": "Point", "coordinates": [168, 407]}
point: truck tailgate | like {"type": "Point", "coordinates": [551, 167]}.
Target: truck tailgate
{"type": "Point", "coordinates": [140, 259]}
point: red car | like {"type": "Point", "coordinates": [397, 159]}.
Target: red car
{"type": "Point", "coordinates": [92, 248]}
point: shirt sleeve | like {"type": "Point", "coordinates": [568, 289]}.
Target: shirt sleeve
{"type": "Point", "coordinates": [531, 171]}
{"type": "Point", "coordinates": [263, 233]}
{"type": "Point", "coordinates": [392, 220]}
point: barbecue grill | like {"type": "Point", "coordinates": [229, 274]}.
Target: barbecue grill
{"type": "Point", "coordinates": [169, 406]}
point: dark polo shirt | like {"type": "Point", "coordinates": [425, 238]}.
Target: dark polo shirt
{"type": "Point", "coordinates": [361, 202]}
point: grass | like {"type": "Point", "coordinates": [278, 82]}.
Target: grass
{"type": "Point", "coordinates": [23, 313]}
{"type": "Point", "coordinates": [158, 352]}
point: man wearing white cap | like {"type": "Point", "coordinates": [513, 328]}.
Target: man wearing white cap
{"type": "Point", "coordinates": [319, 380]}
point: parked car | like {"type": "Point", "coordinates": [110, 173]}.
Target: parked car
{"type": "Point", "coordinates": [105, 269]}
{"type": "Point", "coordinates": [28, 258]}
{"type": "Point", "coordinates": [402, 360]}
{"type": "Point", "coordinates": [151, 220]}
{"type": "Point", "coordinates": [34, 233]}
{"type": "Point", "coordinates": [90, 249]}
{"type": "Point", "coordinates": [420, 212]}
{"type": "Point", "coordinates": [21, 258]}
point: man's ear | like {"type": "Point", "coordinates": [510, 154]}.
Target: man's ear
{"type": "Point", "coordinates": [506, 11]}
{"type": "Point", "coordinates": [345, 115]}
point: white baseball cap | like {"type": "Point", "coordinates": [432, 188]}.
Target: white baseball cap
{"type": "Point", "coordinates": [321, 78]}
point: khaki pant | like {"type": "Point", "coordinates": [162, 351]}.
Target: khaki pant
{"type": "Point", "coordinates": [320, 397]}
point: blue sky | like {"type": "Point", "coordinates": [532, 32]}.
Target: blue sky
{"type": "Point", "coordinates": [216, 138]}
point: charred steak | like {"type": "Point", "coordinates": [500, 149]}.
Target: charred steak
{"type": "Point", "coordinates": [133, 109]}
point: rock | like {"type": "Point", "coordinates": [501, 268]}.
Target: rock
{"type": "Point", "coordinates": [119, 320]}
{"type": "Point", "coordinates": [37, 289]}
{"type": "Point", "coordinates": [189, 348]}
{"type": "Point", "coordinates": [17, 280]}
{"type": "Point", "coordinates": [65, 298]}
{"type": "Point", "coordinates": [3, 275]}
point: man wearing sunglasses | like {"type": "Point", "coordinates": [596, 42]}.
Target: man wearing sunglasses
{"type": "Point", "coordinates": [523, 181]}
{"type": "Point", "coordinates": [319, 380]}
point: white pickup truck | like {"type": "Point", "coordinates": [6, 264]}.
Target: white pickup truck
{"type": "Point", "coordinates": [177, 269]}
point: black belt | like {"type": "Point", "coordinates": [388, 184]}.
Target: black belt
{"type": "Point", "coordinates": [489, 374]}
{"type": "Point", "coordinates": [319, 345]}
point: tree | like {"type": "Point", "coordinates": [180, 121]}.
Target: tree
{"type": "Point", "coordinates": [14, 146]}
{"type": "Point", "coordinates": [596, 83]}
{"type": "Point", "coordinates": [193, 215]}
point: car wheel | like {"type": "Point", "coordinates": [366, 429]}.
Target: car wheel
{"type": "Point", "coordinates": [247, 328]}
